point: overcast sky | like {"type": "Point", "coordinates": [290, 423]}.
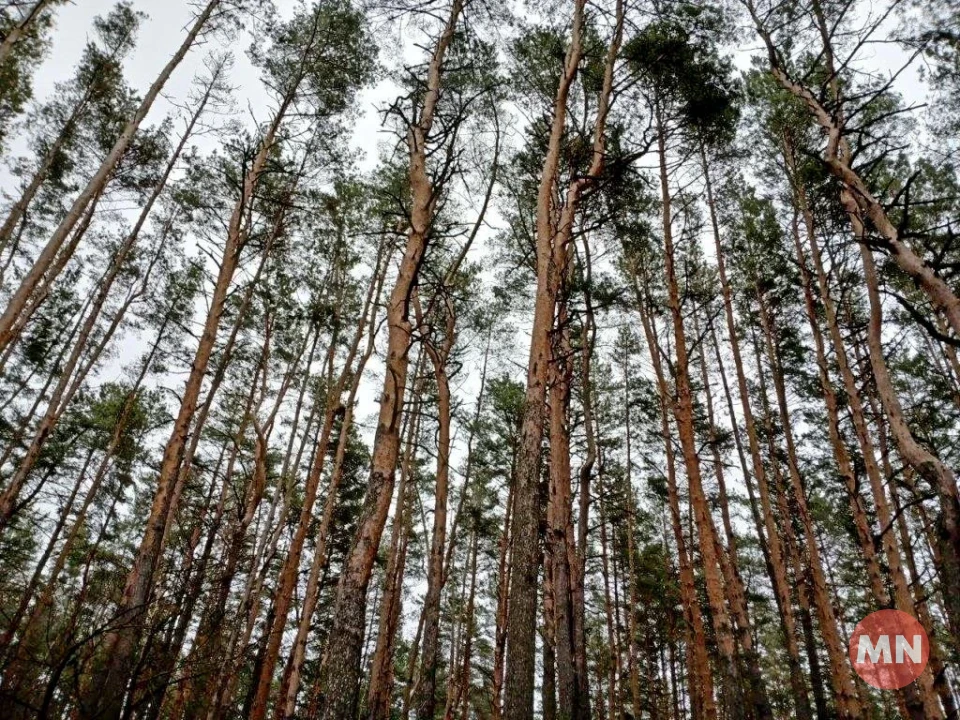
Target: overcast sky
{"type": "Point", "coordinates": [160, 35]}
{"type": "Point", "coordinates": [165, 27]}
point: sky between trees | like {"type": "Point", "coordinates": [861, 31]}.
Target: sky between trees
{"type": "Point", "coordinates": [475, 359]}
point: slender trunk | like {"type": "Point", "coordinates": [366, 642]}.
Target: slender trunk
{"type": "Point", "coordinates": [104, 697]}
{"type": "Point", "coordinates": [773, 546]}
{"type": "Point", "coordinates": [578, 561]}
{"type": "Point", "coordinates": [548, 686]}
{"type": "Point", "coordinates": [464, 687]}
{"type": "Point", "coordinates": [502, 613]}
{"type": "Point", "coordinates": [44, 262]}
{"type": "Point", "coordinates": [20, 29]}
{"type": "Point", "coordinates": [682, 407]}
{"type": "Point", "coordinates": [61, 395]}
{"type": "Point", "coordinates": [633, 659]}
{"type": "Point", "coordinates": [439, 356]}
{"type": "Point", "coordinates": [700, 678]}
{"type": "Point", "coordinates": [940, 477]}
{"type": "Point", "coordinates": [608, 610]}
{"type": "Point", "coordinates": [380, 691]}
{"type": "Point", "coordinates": [559, 518]}
{"type": "Point", "coordinates": [341, 665]}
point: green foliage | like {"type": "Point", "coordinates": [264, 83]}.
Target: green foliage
{"type": "Point", "coordinates": [677, 60]}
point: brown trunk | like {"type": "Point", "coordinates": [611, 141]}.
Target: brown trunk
{"type": "Point", "coordinates": [21, 28]}
{"type": "Point", "coordinates": [608, 607]}
{"type": "Point", "coordinates": [500, 625]}
{"type": "Point", "coordinates": [940, 478]}
{"type": "Point", "coordinates": [464, 687]}
{"type": "Point", "coordinates": [773, 547]}
{"type": "Point", "coordinates": [578, 562]}
{"type": "Point", "coordinates": [341, 665]}
{"type": "Point", "coordinates": [524, 532]}
{"type": "Point", "coordinates": [439, 356]}
{"type": "Point", "coordinates": [548, 686]}
{"type": "Point", "coordinates": [682, 407]}
{"type": "Point", "coordinates": [68, 384]}
{"type": "Point", "coordinates": [559, 545]}
{"type": "Point", "coordinates": [700, 678]}
{"type": "Point", "coordinates": [28, 285]}
{"type": "Point", "coordinates": [246, 506]}
{"type": "Point", "coordinates": [380, 692]}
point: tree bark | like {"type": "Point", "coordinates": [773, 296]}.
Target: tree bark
{"type": "Point", "coordinates": [380, 691]}
{"type": "Point", "coordinates": [20, 29]}
{"type": "Point", "coordinates": [341, 666]}
{"type": "Point", "coordinates": [773, 546]}
{"type": "Point", "coordinates": [700, 678]}
{"type": "Point", "coordinates": [11, 316]}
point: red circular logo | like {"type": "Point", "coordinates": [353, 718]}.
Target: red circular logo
{"type": "Point", "coordinates": [889, 649]}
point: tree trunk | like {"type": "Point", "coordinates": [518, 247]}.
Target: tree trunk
{"type": "Point", "coordinates": [341, 666]}
{"type": "Point", "coordinates": [61, 396]}
{"type": "Point", "coordinates": [700, 679]}
{"type": "Point", "coordinates": [633, 646]}
{"type": "Point", "coordinates": [439, 356]}
{"type": "Point", "coordinates": [105, 695]}
{"type": "Point", "coordinates": [380, 692]}
{"type": "Point", "coordinates": [773, 547]}
{"type": "Point", "coordinates": [21, 28]}
{"type": "Point", "coordinates": [941, 478]}
{"type": "Point", "coordinates": [502, 614]}
{"type": "Point", "coordinates": [682, 407]}
{"type": "Point", "coordinates": [21, 297]}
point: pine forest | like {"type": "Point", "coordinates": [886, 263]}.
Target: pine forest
{"type": "Point", "coordinates": [479, 359]}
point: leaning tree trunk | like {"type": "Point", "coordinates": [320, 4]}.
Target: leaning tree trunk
{"type": "Point", "coordinates": [23, 27]}
{"type": "Point", "coordinates": [104, 696]}
{"type": "Point", "coordinates": [11, 317]}
{"type": "Point", "coordinates": [61, 395]}
{"type": "Point", "coordinates": [683, 412]}
{"type": "Point", "coordinates": [773, 547]}
{"type": "Point", "coordinates": [380, 690]}
{"type": "Point", "coordinates": [341, 666]}
{"type": "Point", "coordinates": [940, 477]}
{"type": "Point", "coordinates": [700, 677]}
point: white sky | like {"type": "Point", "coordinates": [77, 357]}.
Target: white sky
{"type": "Point", "coordinates": [159, 37]}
